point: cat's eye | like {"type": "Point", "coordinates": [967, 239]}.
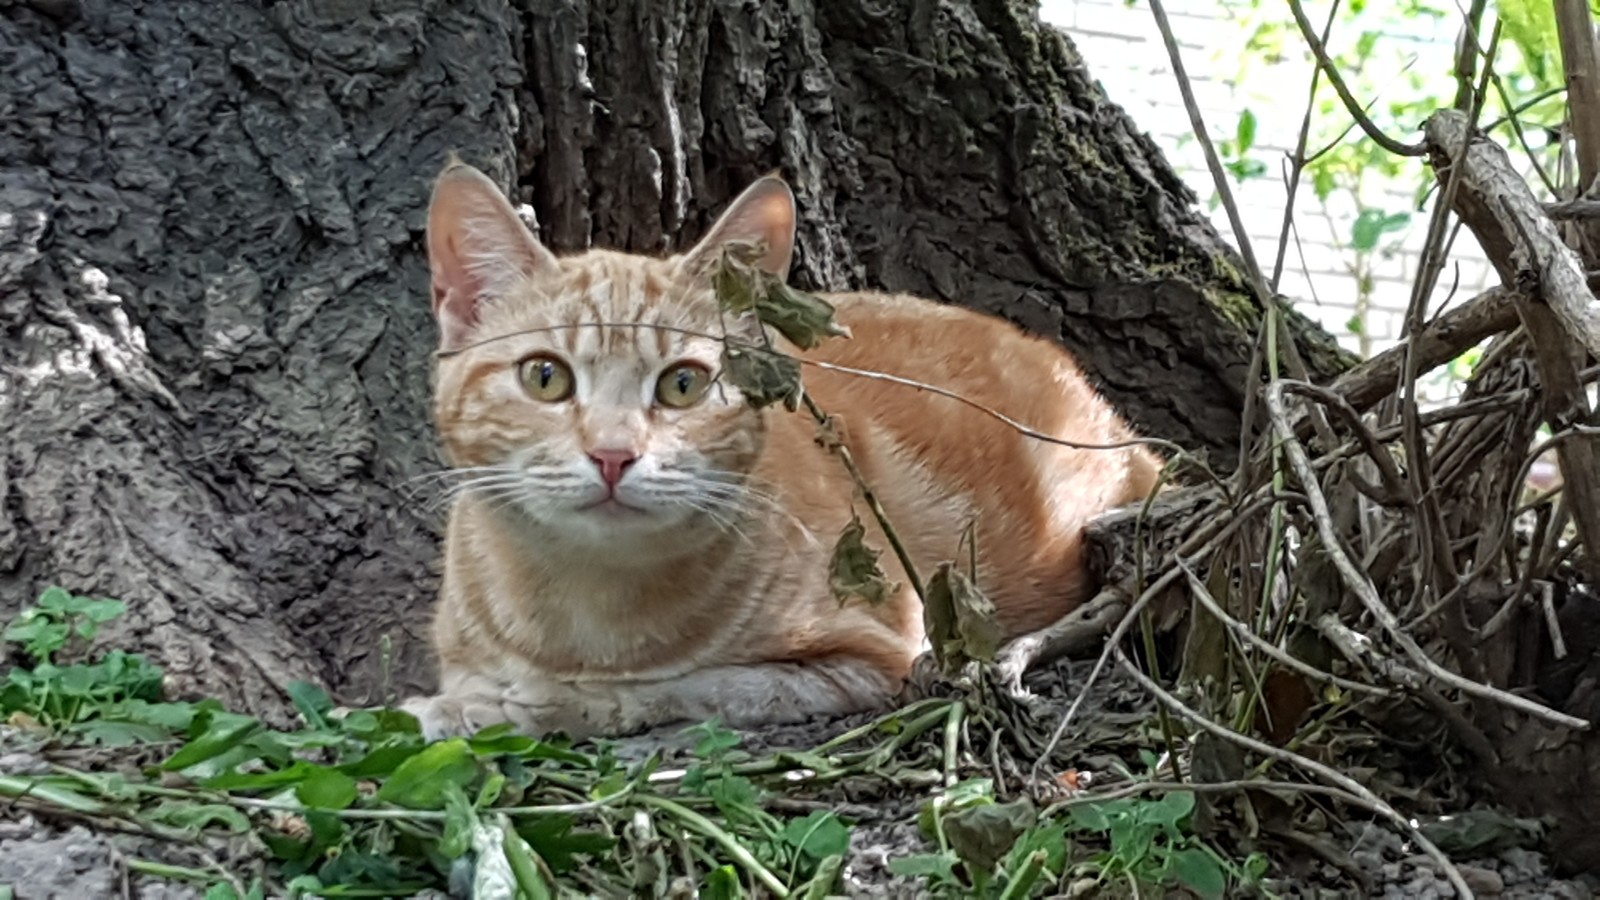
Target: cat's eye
{"type": "Point", "coordinates": [546, 378]}
{"type": "Point", "coordinates": [682, 385]}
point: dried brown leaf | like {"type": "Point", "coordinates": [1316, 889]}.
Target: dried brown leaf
{"type": "Point", "coordinates": [960, 621]}
{"type": "Point", "coordinates": [854, 572]}
{"type": "Point", "coordinates": [763, 376]}
{"type": "Point", "coordinates": [804, 318]}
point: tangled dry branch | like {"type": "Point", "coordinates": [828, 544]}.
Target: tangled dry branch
{"type": "Point", "coordinates": [1388, 555]}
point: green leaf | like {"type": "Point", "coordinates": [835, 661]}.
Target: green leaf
{"type": "Point", "coordinates": [553, 838]}
{"type": "Point", "coordinates": [1090, 817]}
{"type": "Point", "coordinates": [1246, 169]}
{"type": "Point", "coordinates": [1531, 25]}
{"type": "Point", "coordinates": [966, 793]}
{"type": "Point", "coordinates": [1372, 224]}
{"type": "Point", "coordinates": [112, 733]}
{"type": "Point", "coordinates": [982, 835]}
{"type": "Point", "coordinates": [1256, 866]}
{"type": "Point", "coordinates": [1051, 838]}
{"type": "Point", "coordinates": [825, 883]}
{"type": "Point", "coordinates": [421, 781]}
{"type": "Point", "coordinates": [39, 635]}
{"type": "Point", "coordinates": [489, 792]}
{"type": "Point", "coordinates": [714, 741]}
{"type": "Point", "coordinates": [327, 789]}
{"type": "Point", "coordinates": [525, 868]}
{"type": "Point", "coordinates": [1364, 232]}
{"type": "Point", "coordinates": [256, 781]}
{"type": "Point", "coordinates": [940, 866]}
{"type": "Point", "coordinates": [55, 599]}
{"type": "Point", "coordinates": [286, 848]}
{"type": "Point", "coordinates": [853, 572]}
{"type": "Point", "coordinates": [1245, 132]}
{"type": "Point", "coordinates": [375, 723]}
{"type": "Point", "coordinates": [101, 611]}
{"type": "Point", "coordinates": [459, 821]}
{"type": "Point", "coordinates": [385, 758]}
{"type": "Point", "coordinates": [722, 883]}
{"type": "Point", "coordinates": [304, 886]}
{"type": "Point", "coordinates": [1168, 811]}
{"type": "Point", "coordinates": [1323, 183]}
{"type": "Point", "coordinates": [1365, 44]}
{"type": "Point", "coordinates": [223, 732]}
{"type": "Point", "coordinates": [312, 702]}
{"type": "Point", "coordinates": [819, 835]}
{"type": "Point", "coordinates": [51, 790]}
{"type": "Point", "coordinates": [736, 796]}
{"type": "Point", "coordinates": [197, 817]}
{"type": "Point", "coordinates": [612, 784]}
{"type": "Point", "coordinates": [169, 716]}
{"type": "Point", "coordinates": [1199, 871]}
{"type": "Point", "coordinates": [499, 740]}
{"type": "Point", "coordinates": [76, 681]}
{"type": "Point", "coordinates": [326, 828]}
{"type": "Point", "coordinates": [961, 795]}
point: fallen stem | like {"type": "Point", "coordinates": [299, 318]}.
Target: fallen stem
{"type": "Point", "coordinates": [1359, 793]}
{"type": "Point", "coordinates": [740, 853]}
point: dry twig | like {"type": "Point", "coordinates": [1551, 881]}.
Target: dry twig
{"type": "Point", "coordinates": [1361, 585]}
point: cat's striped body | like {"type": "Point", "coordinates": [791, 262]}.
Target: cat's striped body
{"type": "Point", "coordinates": [638, 545]}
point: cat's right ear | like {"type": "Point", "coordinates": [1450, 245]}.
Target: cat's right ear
{"type": "Point", "coordinates": [477, 249]}
{"type": "Point", "coordinates": [764, 214]}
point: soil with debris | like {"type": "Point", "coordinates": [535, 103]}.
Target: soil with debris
{"type": "Point", "coordinates": [44, 859]}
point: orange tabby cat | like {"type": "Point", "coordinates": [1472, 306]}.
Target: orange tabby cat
{"type": "Point", "coordinates": [632, 544]}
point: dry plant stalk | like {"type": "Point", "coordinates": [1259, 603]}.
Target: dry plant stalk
{"type": "Point", "coordinates": [1420, 517]}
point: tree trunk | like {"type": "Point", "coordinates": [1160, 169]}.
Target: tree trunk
{"type": "Point", "coordinates": [215, 356]}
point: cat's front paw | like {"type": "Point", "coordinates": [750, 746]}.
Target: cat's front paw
{"type": "Point", "coordinates": [534, 708]}
{"type": "Point", "coordinates": [577, 710]}
{"type": "Point", "coordinates": [454, 715]}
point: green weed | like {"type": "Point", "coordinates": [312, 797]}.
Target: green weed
{"type": "Point", "coordinates": [354, 803]}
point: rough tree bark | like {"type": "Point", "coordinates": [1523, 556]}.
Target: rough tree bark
{"type": "Point", "coordinates": [214, 334]}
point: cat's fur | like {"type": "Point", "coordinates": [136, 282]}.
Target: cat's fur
{"type": "Point", "coordinates": [714, 600]}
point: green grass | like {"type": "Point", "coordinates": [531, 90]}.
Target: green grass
{"type": "Point", "coordinates": [354, 803]}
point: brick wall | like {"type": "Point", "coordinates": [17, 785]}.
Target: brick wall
{"type": "Point", "coordinates": [1123, 50]}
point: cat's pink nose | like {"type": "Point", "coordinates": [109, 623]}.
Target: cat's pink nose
{"type": "Point", "coordinates": [612, 463]}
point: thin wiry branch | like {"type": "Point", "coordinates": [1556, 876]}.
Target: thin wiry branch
{"type": "Point", "coordinates": [1320, 51]}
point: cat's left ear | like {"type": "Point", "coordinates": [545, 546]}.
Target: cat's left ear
{"type": "Point", "coordinates": [764, 213]}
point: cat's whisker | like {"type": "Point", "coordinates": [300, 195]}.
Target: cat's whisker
{"type": "Point", "coordinates": [488, 485]}
{"type": "Point", "coordinates": [483, 481]}
{"type": "Point", "coordinates": [502, 499]}
{"type": "Point", "coordinates": [720, 517]}
{"type": "Point", "coordinates": [747, 498]}
{"type": "Point", "coordinates": [415, 486]}
{"type": "Point", "coordinates": [448, 474]}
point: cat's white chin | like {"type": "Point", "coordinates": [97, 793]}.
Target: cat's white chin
{"type": "Point", "coordinates": [613, 508]}
{"type": "Point", "coordinates": [618, 524]}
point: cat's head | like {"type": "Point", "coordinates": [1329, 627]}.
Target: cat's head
{"type": "Point", "coordinates": [582, 393]}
